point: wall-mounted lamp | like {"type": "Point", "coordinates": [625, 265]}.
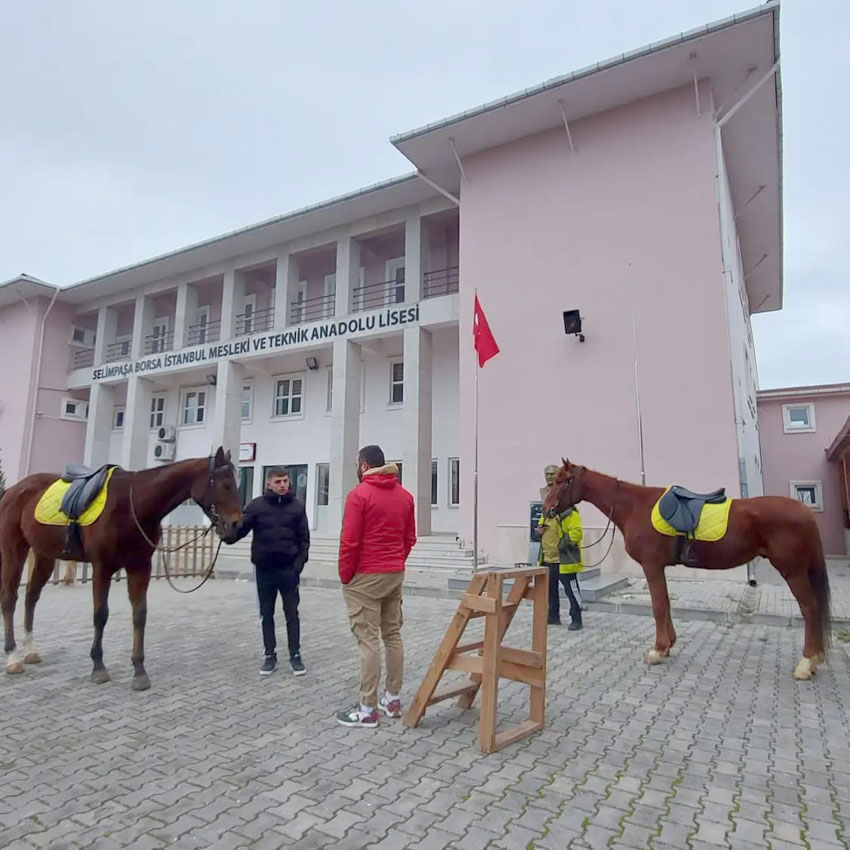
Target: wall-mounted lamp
{"type": "Point", "coordinates": [212, 380]}
{"type": "Point", "coordinates": [572, 324]}
{"type": "Point", "coordinates": [312, 363]}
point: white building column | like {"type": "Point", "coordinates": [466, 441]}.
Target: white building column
{"type": "Point", "coordinates": [347, 274]}
{"type": "Point", "coordinates": [134, 448]}
{"type": "Point", "coordinates": [142, 326]}
{"type": "Point", "coordinates": [99, 424]}
{"type": "Point", "coordinates": [418, 350]}
{"type": "Point", "coordinates": [107, 330]}
{"type": "Point", "coordinates": [345, 428]}
{"type": "Point", "coordinates": [232, 295]}
{"type": "Point", "coordinates": [416, 256]}
{"type": "Point", "coordinates": [285, 285]}
{"type": "Point", "coordinates": [227, 420]}
{"type": "Point", "coordinates": [185, 313]}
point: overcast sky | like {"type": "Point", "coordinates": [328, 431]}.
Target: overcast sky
{"type": "Point", "coordinates": [131, 129]}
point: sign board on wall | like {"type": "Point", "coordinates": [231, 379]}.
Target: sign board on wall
{"type": "Point", "coordinates": [260, 344]}
{"type": "Point", "coordinates": [247, 452]}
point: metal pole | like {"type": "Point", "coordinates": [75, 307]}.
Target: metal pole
{"type": "Point", "coordinates": [637, 380]}
{"type": "Point", "coordinates": [475, 481]}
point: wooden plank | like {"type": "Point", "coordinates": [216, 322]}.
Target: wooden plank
{"type": "Point", "coordinates": [450, 691]}
{"type": "Point", "coordinates": [515, 733]}
{"type": "Point", "coordinates": [523, 656]}
{"type": "Point", "coordinates": [539, 636]}
{"type": "Point", "coordinates": [469, 647]}
{"type": "Point", "coordinates": [521, 572]}
{"type": "Point", "coordinates": [466, 663]}
{"type": "Point", "coordinates": [520, 673]}
{"type": "Point", "coordinates": [490, 670]}
{"type": "Point", "coordinates": [484, 604]}
{"type": "Point", "coordinates": [442, 655]}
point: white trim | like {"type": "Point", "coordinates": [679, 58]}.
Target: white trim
{"type": "Point", "coordinates": [184, 394]}
{"type": "Point", "coordinates": [159, 324]}
{"type": "Point", "coordinates": [80, 406]}
{"type": "Point", "coordinates": [248, 301]}
{"type": "Point", "coordinates": [452, 504]}
{"type": "Point", "coordinates": [817, 506]}
{"type": "Point", "coordinates": [155, 426]}
{"type": "Point", "coordinates": [391, 403]}
{"type": "Point", "coordinates": [298, 304]}
{"type": "Point", "coordinates": [203, 310]}
{"type": "Point", "coordinates": [115, 411]}
{"type": "Point", "coordinates": [291, 377]}
{"type": "Point", "coordinates": [435, 467]}
{"type": "Point", "coordinates": [789, 427]}
{"type": "Point", "coordinates": [248, 383]}
{"type": "Point", "coordinates": [328, 289]}
{"type": "Point", "coordinates": [329, 389]}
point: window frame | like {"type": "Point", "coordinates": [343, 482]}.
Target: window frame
{"type": "Point", "coordinates": [817, 486]}
{"type": "Point", "coordinates": [451, 503]}
{"type": "Point", "coordinates": [291, 377]}
{"type": "Point", "coordinates": [184, 398]}
{"type": "Point", "coordinates": [787, 425]}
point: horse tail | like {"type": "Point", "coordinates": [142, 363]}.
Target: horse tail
{"type": "Point", "coordinates": [820, 584]}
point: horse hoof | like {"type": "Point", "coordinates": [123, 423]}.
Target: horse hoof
{"type": "Point", "coordinates": [100, 676]}
{"type": "Point", "coordinates": [654, 656]}
{"type": "Point", "coordinates": [32, 658]}
{"type": "Point", "coordinates": [805, 669]}
{"type": "Point", "coordinates": [14, 668]}
{"type": "Point", "coordinates": [140, 683]}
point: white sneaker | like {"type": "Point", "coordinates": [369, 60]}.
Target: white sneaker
{"type": "Point", "coordinates": [390, 707]}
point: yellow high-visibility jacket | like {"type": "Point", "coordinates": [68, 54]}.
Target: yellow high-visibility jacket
{"type": "Point", "coordinates": [569, 537]}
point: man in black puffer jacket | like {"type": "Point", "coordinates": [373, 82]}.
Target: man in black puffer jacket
{"type": "Point", "coordinates": [279, 551]}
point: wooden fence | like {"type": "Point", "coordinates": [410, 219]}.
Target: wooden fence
{"type": "Point", "coordinates": [193, 559]}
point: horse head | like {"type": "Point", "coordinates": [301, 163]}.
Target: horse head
{"type": "Point", "coordinates": [566, 492]}
{"type": "Point", "coordinates": [217, 492]}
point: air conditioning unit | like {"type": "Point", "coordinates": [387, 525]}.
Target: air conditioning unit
{"type": "Point", "coordinates": [164, 451]}
{"type": "Point", "coordinates": [167, 434]}
{"type": "Point", "coordinates": [83, 337]}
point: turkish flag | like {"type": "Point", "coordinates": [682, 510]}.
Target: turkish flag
{"type": "Point", "coordinates": [485, 343]}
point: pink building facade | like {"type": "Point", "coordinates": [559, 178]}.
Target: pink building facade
{"type": "Point", "coordinates": [806, 452]}
{"type": "Point", "coordinates": [644, 192]}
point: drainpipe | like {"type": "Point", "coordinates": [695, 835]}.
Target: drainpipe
{"type": "Point", "coordinates": [26, 466]}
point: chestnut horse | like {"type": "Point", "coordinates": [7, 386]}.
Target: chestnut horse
{"type": "Point", "coordinates": [773, 527]}
{"type": "Point", "coordinates": [125, 535]}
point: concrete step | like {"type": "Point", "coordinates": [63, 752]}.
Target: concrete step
{"type": "Point", "coordinates": [599, 587]}
{"type": "Point", "coordinates": [459, 582]}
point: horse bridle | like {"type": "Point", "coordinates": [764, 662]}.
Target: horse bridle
{"type": "Point", "coordinates": [210, 512]}
{"type": "Point", "coordinates": [572, 477]}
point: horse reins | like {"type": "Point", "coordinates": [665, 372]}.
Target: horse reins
{"type": "Point", "coordinates": [213, 517]}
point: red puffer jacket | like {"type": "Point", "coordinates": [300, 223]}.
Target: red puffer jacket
{"type": "Point", "coordinates": [378, 526]}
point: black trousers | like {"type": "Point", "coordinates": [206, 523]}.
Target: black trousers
{"type": "Point", "coordinates": [270, 582]}
{"type": "Point", "coordinates": [570, 584]}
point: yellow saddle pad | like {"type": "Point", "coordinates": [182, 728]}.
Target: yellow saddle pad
{"type": "Point", "coordinates": [48, 511]}
{"type": "Point", "coordinates": [713, 520]}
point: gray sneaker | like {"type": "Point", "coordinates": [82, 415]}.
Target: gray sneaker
{"type": "Point", "coordinates": [298, 668]}
{"type": "Point", "coordinates": [268, 666]}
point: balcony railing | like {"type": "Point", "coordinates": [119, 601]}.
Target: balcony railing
{"type": "Point", "coordinates": [118, 351]}
{"type": "Point", "coordinates": [203, 333]}
{"type": "Point", "coordinates": [312, 309]}
{"type": "Point", "coordinates": [255, 322]}
{"type": "Point", "coordinates": [155, 343]}
{"type": "Point", "coordinates": [82, 358]}
{"type": "Point", "coordinates": [440, 282]}
{"type": "Point", "coordinates": [372, 296]}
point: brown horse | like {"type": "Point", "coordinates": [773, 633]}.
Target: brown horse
{"type": "Point", "coordinates": [125, 535]}
{"type": "Point", "coordinates": [779, 529]}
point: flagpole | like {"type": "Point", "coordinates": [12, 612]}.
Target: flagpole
{"type": "Point", "coordinates": [475, 480]}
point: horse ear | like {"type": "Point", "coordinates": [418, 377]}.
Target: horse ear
{"type": "Point", "coordinates": [227, 456]}
{"type": "Point", "coordinates": [565, 462]}
{"type": "Point", "coordinates": [219, 456]}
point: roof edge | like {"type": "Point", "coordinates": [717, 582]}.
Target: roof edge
{"type": "Point", "coordinates": [810, 390]}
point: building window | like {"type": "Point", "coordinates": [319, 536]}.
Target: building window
{"type": "Point", "coordinates": [117, 418]}
{"type": "Point", "coordinates": [122, 345]}
{"type": "Point", "coordinates": [323, 474]}
{"type": "Point", "coordinates": [798, 418]}
{"type": "Point", "coordinates": [198, 333]}
{"type": "Point", "coordinates": [74, 408]}
{"type": "Point", "coordinates": [247, 402]}
{"type": "Point", "coordinates": [159, 335]}
{"type": "Point", "coordinates": [400, 466]}
{"type": "Point", "coordinates": [246, 484]}
{"type": "Point", "coordinates": [329, 402]}
{"type": "Point", "coordinates": [194, 407]}
{"type": "Point", "coordinates": [157, 411]}
{"type": "Point", "coordinates": [434, 491]}
{"type": "Point", "coordinates": [288, 396]}
{"type": "Point", "coordinates": [454, 482]}
{"type": "Point", "coordinates": [397, 382]}
{"type": "Point", "coordinates": [809, 493]}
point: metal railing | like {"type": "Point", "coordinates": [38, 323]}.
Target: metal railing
{"type": "Point", "coordinates": [375, 295]}
{"type": "Point", "coordinates": [117, 351]}
{"type": "Point", "coordinates": [312, 309]}
{"type": "Point", "coordinates": [193, 560]}
{"type": "Point", "coordinates": [82, 358]}
{"type": "Point", "coordinates": [203, 333]}
{"type": "Point", "coordinates": [155, 343]}
{"type": "Point", "coordinates": [440, 282]}
{"type": "Point", "coordinates": [256, 322]}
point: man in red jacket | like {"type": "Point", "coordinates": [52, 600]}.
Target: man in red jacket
{"type": "Point", "coordinates": [378, 532]}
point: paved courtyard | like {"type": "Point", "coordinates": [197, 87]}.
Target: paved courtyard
{"type": "Point", "coordinates": [718, 748]}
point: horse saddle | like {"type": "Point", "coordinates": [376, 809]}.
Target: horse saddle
{"type": "Point", "coordinates": [681, 508]}
{"type": "Point", "coordinates": [85, 485]}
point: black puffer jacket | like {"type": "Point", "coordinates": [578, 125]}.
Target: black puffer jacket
{"type": "Point", "coordinates": [281, 531]}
